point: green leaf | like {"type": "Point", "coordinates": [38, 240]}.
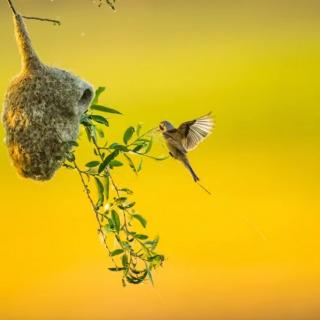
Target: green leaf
{"type": "Point", "coordinates": [149, 146]}
{"type": "Point", "coordinates": [133, 280]}
{"type": "Point", "coordinates": [141, 236]}
{"type": "Point", "coordinates": [107, 160]}
{"type": "Point", "coordinates": [85, 120]}
{"type": "Point", "coordinates": [116, 220]}
{"type": "Point", "coordinates": [100, 119]}
{"type": "Point", "coordinates": [99, 91]}
{"type": "Point", "coordinates": [126, 244]}
{"type": "Point", "coordinates": [140, 165]}
{"type": "Point", "coordinates": [152, 243]}
{"type": "Point", "coordinates": [104, 109]}
{"type": "Point", "coordinates": [125, 261]}
{"type": "Point", "coordinates": [131, 163]}
{"type": "Point", "coordinates": [116, 269]}
{"type": "Point", "coordinates": [100, 192]}
{"type": "Point", "coordinates": [121, 199]}
{"type": "Point", "coordinates": [116, 252]}
{"type": "Point", "coordinates": [100, 132]}
{"type": "Point", "coordinates": [93, 133]}
{"type": "Point", "coordinates": [128, 135]}
{"type": "Point", "coordinates": [126, 190]}
{"type": "Point", "coordinates": [111, 224]}
{"type": "Point", "coordinates": [92, 164]}
{"type": "Point", "coordinates": [161, 158]}
{"type": "Point", "coordinates": [138, 147]}
{"type": "Point", "coordinates": [117, 146]}
{"type": "Point", "coordinates": [107, 228]}
{"type": "Point", "coordinates": [141, 219]}
{"type": "Point", "coordinates": [137, 272]}
{"type": "Point", "coordinates": [127, 206]}
{"type": "Point", "coordinates": [156, 259]}
{"type": "Point", "coordinates": [139, 143]}
{"type": "Point", "coordinates": [88, 132]}
{"type": "Point", "coordinates": [115, 163]}
{"type": "Point", "coordinates": [150, 275]}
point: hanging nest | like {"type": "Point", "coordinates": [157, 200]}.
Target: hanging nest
{"type": "Point", "coordinates": [42, 111]}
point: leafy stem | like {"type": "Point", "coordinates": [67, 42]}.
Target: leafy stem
{"type": "Point", "coordinates": [119, 224]}
{"type": "Point", "coordinates": [97, 213]}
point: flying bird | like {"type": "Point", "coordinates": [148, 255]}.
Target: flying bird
{"type": "Point", "coordinates": [185, 138]}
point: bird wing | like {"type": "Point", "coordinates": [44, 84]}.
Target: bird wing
{"type": "Point", "coordinates": [173, 140]}
{"type": "Point", "coordinates": [195, 131]}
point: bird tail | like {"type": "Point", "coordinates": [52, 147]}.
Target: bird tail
{"type": "Point", "coordinates": [194, 176]}
{"type": "Point", "coordinates": [203, 188]}
{"type": "Point", "coordinates": [188, 166]}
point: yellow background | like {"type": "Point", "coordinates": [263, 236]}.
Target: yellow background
{"type": "Point", "coordinates": [251, 251]}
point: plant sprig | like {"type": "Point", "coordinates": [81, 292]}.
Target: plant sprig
{"type": "Point", "coordinates": [131, 251]}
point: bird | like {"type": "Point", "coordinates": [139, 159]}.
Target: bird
{"type": "Point", "coordinates": [186, 138]}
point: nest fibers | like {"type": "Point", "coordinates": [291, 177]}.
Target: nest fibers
{"type": "Point", "coordinates": [42, 111]}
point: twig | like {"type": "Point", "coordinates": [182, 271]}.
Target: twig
{"type": "Point", "coordinates": [12, 7]}
{"type": "Point", "coordinates": [108, 2]}
{"type": "Point", "coordinates": [104, 238]}
{"type": "Point", "coordinates": [148, 156]}
{"type": "Point", "coordinates": [111, 4]}
{"type": "Point", "coordinates": [143, 135]}
{"type": "Point", "coordinates": [55, 22]}
{"type": "Point", "coordinates": [124, 211]}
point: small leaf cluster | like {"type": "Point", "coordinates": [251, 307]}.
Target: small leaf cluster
{"type": "Point", "coordinates": [120, 225]}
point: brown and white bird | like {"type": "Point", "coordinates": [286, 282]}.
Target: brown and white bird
{"type": "Point", "coordinates": [186, 137]}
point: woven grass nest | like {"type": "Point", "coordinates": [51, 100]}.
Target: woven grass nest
{"type": "Point", "coordinates": [42, 111]}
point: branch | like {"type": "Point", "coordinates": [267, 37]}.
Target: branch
{"type": "Point", "coordinates": [110, 3]}
{"type": "Point", "coordinates": [116, 216]}
{"type": "Point", "coordinates": [143, 135]}
{"type": "Point", "coordinates": [12, 7]}
{"type": "Point", "coordinates": [14, 11]}
{"type": "Point", "coordinates": [55, 22]}
{"type": "Point", "coordinates": [87, 190]}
